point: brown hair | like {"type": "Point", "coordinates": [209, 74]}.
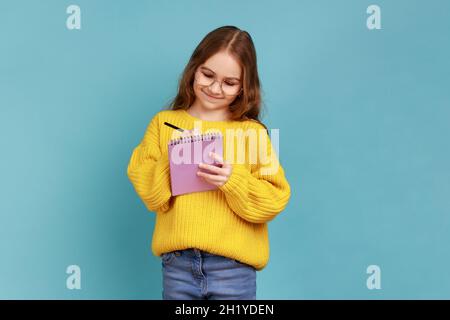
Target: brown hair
{"type": "Point", "coordinates": [239, 44]}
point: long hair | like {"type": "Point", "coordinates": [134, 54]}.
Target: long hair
{"type": "Point", "coordinates": [239, 44]}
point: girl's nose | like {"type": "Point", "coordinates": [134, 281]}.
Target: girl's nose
{"type": "Point", "coordinates": [215, 88]}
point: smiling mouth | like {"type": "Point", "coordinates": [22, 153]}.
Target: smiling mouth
{"type": "Point", "coordinates": [212, 97]}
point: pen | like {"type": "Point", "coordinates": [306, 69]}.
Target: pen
{"type": "Point", "coordinates": [172, 126]}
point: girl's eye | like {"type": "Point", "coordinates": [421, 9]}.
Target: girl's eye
{"type": "Point", "coordinates": [207, 75]}
{"type": "Point", "coordinates": [230, 84]}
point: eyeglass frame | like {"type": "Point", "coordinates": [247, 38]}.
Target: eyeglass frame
{"type": "Point", "coordinates": [220, 85]}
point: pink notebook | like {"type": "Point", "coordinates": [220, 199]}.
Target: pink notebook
{"type": "Point", "coordinates": [185, 154]}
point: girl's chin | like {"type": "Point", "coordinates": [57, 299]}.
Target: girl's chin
{"type": "Point", "coordinates": [211, 104]}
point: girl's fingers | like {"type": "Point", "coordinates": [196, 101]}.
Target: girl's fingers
{"type": "Point", "coordinates": [222, 174]}
{"type": "Point", "coordinates": [219, 159]}
{"type": "Point", "coordinates": [188, 133]}
{"type": "Point", "coordinates": [211, 177]}
{"type": "Point", "coordinates": [216, 157]}
{"type": "Point", "coordinates": [212, 168]}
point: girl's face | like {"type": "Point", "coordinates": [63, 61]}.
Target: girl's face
{"type": "Point", "coordinates": [218, 94]}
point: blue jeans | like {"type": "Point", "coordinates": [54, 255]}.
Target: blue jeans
{"type": "Point", "coordinates": [193, 274]}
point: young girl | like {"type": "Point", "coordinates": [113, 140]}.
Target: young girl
{"type": "Point", "coordinates": [212, 242]}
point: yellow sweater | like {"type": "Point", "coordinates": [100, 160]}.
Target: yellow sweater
{"type": "Point", "coordinates": [230, 221]}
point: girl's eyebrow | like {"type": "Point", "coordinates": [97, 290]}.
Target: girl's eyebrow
{"type": "Point", "coordinates": [203, 67]}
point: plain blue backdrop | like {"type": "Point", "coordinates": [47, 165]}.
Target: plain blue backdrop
{"type": "Point", "coordinates": [364, 126]}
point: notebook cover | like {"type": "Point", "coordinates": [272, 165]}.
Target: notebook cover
{"type": "Point", "coordinates": [185, 154]}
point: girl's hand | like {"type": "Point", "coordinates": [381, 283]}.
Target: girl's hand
{"type": "Point", "coordinates": [220, 176]}
{"type": "Point", "coordinates": [188, 133]}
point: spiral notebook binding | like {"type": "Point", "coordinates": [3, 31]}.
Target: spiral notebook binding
{"type": "Point", "coordinates": [210, 136]}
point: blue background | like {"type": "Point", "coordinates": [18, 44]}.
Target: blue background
{"type": "Point", "coordinates": [364, 125]}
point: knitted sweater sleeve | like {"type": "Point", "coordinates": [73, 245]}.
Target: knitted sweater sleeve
{"type": "Point", "coordinates": [148, 170]}
{"type": "Point", "coordinates": [260, 193]}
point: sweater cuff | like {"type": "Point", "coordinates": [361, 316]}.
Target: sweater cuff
{"type": "Point", "coordinates": [237, 181]}
{"type": "Point", "coordinates": [160, 193]}
{"type": "Point", "coordinates": [162, 177]}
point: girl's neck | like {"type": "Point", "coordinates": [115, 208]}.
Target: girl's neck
{"type": "Point", "coordinates": [200, 112]}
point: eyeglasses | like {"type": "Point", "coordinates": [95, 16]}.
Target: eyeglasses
{"type": "Point", "coordinates": [206, 78]}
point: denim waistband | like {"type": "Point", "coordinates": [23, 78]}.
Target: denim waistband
{"type": "Point", "coordinates": [194, 252]}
